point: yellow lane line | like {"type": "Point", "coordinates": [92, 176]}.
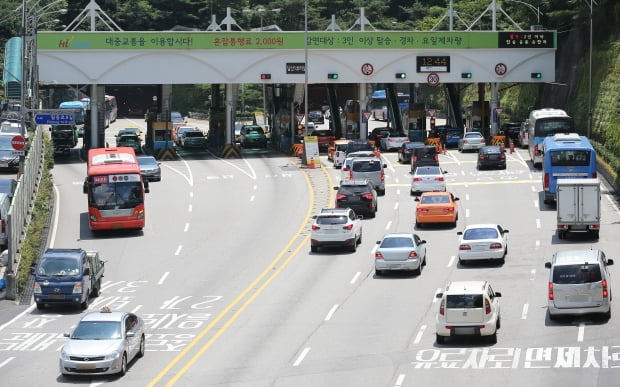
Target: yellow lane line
{"type": "Point", "coordinates": [238, 299]}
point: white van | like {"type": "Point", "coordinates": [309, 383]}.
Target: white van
{"type": "Point", "coordinates": [5, 205]}
{"type": "Point", "coordinates": [579, 283]}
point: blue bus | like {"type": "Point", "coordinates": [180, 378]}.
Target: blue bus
{"type": "Point", "coordinates": [542, 123]}
{"type": "Point", "coordinates": [378, 104]}
{"type": "Point", "coordinates": [566, 155]}
{"type": "Point", "coordinates": [79, 112]}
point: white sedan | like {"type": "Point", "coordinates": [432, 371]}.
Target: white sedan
{"type": "Point", "coordinates": [483, 241]}
{"type": "Point", "coordinates": [471, 141]}
{"type": "Point", "coordinates": [393, 141]}
{"type": "Point", "coordinates": [428, 179]}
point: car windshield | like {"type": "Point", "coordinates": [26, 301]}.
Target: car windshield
{"type": "Point", "coordinates": [354, 147]}
{"type": "Point", "coordinates": [480, 233]}
{"type": "Point", "coordinates": [464, 301]}
{"type": "Point", "coordinates": [333, 219]}
{"type": "Point", "coordinates": [366, 166]}
{"type": "Point", "coordinates": [427, 171]}
{"type": "Point", "coordinates": [396, 242]}
{"type": "Point", "coordinates": [473, 135]}
{"type": "Point", "coordinates": [193, 133]}
{"type": "Point", "coordinates": [147, 161]}
{"type": "Point", "coordinates": [437, 199]}
{"type": "Point", "coordinates": [58, 266]}
{"type": "Point", "coordinates": [576, 274]}
{"type": "Point", "coordinates": [97, 330]}
{"type": "Point", "coordinates": [258, 130]}
{"type": "Point", "coordinates": [354, 189]}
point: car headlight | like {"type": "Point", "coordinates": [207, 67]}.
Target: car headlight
{"type": "Point", "coordinates": [113, 356]}
{"type": "Point", "coordinates": [63, 354]}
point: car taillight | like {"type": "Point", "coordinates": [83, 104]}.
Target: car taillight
{"type": "Point", "coordinates": [367, 196]}
{"type": "Point", "coordinates": [546, 181]}
{"type": "Point", "coordinates": [536, 151]}
{"type": "Point", "coordinates": [442, 308]}
{"type": "Point", "coordinates": [464, 247]}
{"type": "Point", "coordinates": [417, 179]}
{"type": "Point", "coordinates": [439, 179]}
{"type": "Point", "coordinates": [550, 291]}
{"type": "Point", "coordinates": [415, 159]}
{"type": "Point", "coordinates": [412, 255]}
{"type": "Point", "coordinates": [502, 156]}
{"type": "Point", "coordinates": [436, 158]}
{"type": "Point", "coordinates": [315, 227]}
{"type": "Point", "coordinates": [449, 209]}
{"type": "Point", "coordinates": [3, 225]}
{"type": "Point", "coordinates": [382, 175]}
{"type": "Point", "coordinates": [347, 227]}
{"type": "Point", "coordinates": [351, 174]}
{"type": "Point", "coordinates": [421, 209]}
{"type": "Point", "coordinates": [378, 255]}
{"type": "Point", "coordinates": [605, 291]}
{"type": "Point", "coordinates": [496, 246]}
{"type": "Point", "coordinates": [594, 175]}
{"type": "Point", "coordinates": [487, 307]}
{"type": "Point", "coordinates": [340, 196]}
{"type": "Point", "coordinates": [481, 157]}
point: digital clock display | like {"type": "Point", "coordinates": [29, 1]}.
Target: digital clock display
{"type": "Point", "coordinates": [433, 64]}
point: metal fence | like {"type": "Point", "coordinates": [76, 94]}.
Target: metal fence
{"type": "Point", "coordinates": [21, 207]}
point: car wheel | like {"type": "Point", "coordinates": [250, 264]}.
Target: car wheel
{"type": "Point", "coordinates": [123, 370]}
{"type": "Point", "coordinates": [607, 315]}
{"type": "Point", "coordinates": [359, 240]}
{"type": "Point", "coordinates": [97, 288]}
{"type": "Point", "coordinates": [141, 349]}
{"type": "Point", "coordinates": [84, 305]}
{"type": "Point", "coordinates": [499, 323]}
{"type": "Point", "coordinates": [419, 225]}
{"type": "Point", "coordinates": [418, 271]}
{"type": "Point", "coordinates": [492, 339]}
{"type": "Point", "coordinates": [462, 262]}
{"type": "Point", "coordinates": [40, 305]}
{"type": "Point", "coordinates": [440, 339]}
{"type": "Point", "coordinates": [378, 272]}
{"type": "Point", "coordinates": [554, 317]}
{"type": "Point", "coordinates": [353, 247]}
{"type": "Point", "coordinates": [314, 249]}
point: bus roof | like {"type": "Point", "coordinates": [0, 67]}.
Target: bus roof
{"type": "Point", "coordinates": [112, 160]}
{"type": "Point", "coordinates": [71, 105]}
{"type": "Point", "coordinates": [544, 113]}
{"type": "Point", "coordinates": [567, 141]}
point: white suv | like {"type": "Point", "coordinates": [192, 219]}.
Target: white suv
{"type": "Point", "coordinates": [468, 308]}
{"type": "Point", "coordinates": [336, 227]}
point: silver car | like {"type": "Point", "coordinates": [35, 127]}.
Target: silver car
{"type": "Point", "coordinates": [103, 343]}
{"type": "Point", "coordinates": [149, 168]}
{"type": "Point", "coordinates": [400, 251]}
{"type": "Point", "coordinates": [471, 141]}
{"type": "Point", "coordinates": [428, 179]}
{"type": "Point", "coordinates": [579, 283]}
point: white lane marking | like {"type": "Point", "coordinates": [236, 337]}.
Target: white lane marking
{"type": "Point", "coordinates": [581, 331]}
{"type": "Point", "coordinates": [56, 215]}
{"type": "Point", "coordinates": [418, 337]}
{"type": "Point", "coordinates": [524, 311]}
{"type": "Point", "coordinates": [251, 174]}
{"type": "Point", "coordinates": [331, 312]}
{"type": "Point", "coordinates": [537, 244]}
{"type": "Point", "coordinates": [463, 173]}
{"type": "Point", "coordinates": [466, 196]}
{"type": "Point", "coordinates": [608, 197]}
{"type": "Point", "coordinates": [252, 198]}
{"type": "Point", "coordinates": [136, 309]}
{"type": "Point", "coordinates": [533, 188]}
{"type": "Point", "coordinates": [536, 203]}
{"type": "Point", "coordinates": [355, 277]}
{"type": "Point", "coordinates": [7, 361]}
{"type": "Point", "coordinates": [521, 160]}
{"type": "Point", "coordinates": [163, 278]}
{"type": "Point", "coordinates": [451, 261]}
{"type": "Point", "coordinates": [388, 225]}
{"type": "Point", "coordinates": [254, 187]}
{"type": "Point", "coordinates": [399, 380]}
{"type": "Point", "coordinates": [178, 250]}
{"type": "Point", "coordinates": [467, 212]}
{"type": "Point", "coordinates": [191, 194]}
{"type": "Point", "coordinates": [186, 227]}
{"type": "Point", "coordinates": [532, 274]}
{"type": "Point", "coordinates": [537, 223]}
{"type": "Point", "coordinates": [190, 208]}
{"type": "Point", "coordinates": [301, 356]}
{"type": "Point", "coordinates": [28, 310]}
{"type": "Point", "coordinates": [189, 177]}
{"type": "Point", "coordinates": [397, 181]}
{"type": "Point", "coordinates": [398, 192]}
{"type": "Point", "coordinates": [395, 206]}
{"type": "Point", "coordinates": [435, 295]}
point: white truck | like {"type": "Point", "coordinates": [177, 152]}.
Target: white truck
{"type": "Point", "coordinates": [578, 206]}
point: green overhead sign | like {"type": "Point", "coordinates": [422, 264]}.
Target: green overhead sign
{"type": "Point", "coordinates": [294, 40]}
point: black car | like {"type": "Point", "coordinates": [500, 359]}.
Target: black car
{"type": "Point", "coordinates": [491, 156]}
{"type": "Point", "coordinates": [405, 151]}
{"type": "Point", "coordinates": [359, 195]}
{"type": "Point", "coordinates": [359, 145]}
{"type": "Point", "coordinates": [512, 130]}
{"type": "Point", "coordinates": [426, 155]}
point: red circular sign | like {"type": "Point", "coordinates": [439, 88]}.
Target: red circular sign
{"type": "Point", "coordinates": [432, 79]}
{"type": "Point", "coordinates": [367, 69]}
{"type": "Point", "coordinates": [501, 69]}
{"type": "Point", "coordinates": [18, 142]}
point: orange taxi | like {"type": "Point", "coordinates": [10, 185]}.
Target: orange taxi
{"type": "Point", "coordinates": [436, 207]}
{"type": "Point", "coordinates": [331, 148]}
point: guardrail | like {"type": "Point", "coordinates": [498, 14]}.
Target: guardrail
{"type": "Point", "coordinates": [20, 211]}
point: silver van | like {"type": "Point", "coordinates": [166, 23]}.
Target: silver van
{"type": "Point", "coordinates": [371, 169]}
{"type": "Point", "coordinates": [579, 283]}
{"type": "Point", "coordinates": [5, 205]}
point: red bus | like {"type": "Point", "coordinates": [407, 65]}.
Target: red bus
{"type": "Point", "coordinates": [115, 189]}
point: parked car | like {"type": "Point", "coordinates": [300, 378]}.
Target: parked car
{"type": "Point", "coordinates": [103, 343]}
{"type": "Point", "coordinates": [428, 179]}
{"type": "Point", "coordinates": [252, 136]}
{"type": "Point", "coordinates": [468, 308]}
{"type": "Point", "coordinates": [371, 169]}
{"type": "Point", "coordinates": [336, 227]}
{"type": "Point", "coordinates": [483, 241]}
{"type": "Point", "coordinates": [316, 116]}
{"type": "Point", "coordinates": [359, 195]}
{"type": "Point", "coordinates": [436, 207]}
{"type": "Point", "coordinates": [193, 139]}
{"type": "Point", "coordinates": [324, 137]}
{"type": "Point", "coordinates": [150, 168]}
{"type": "Point", "coordinates": [426, 155]}
{"type": "Point", "coordinates": [406, 150]}
{"type": "Point", "coordinates": [579, 283]}
{"type": "Point", "coordinates": [393, 140]}
{"type": "Point", "coordinates": [400, 251]}
{"type": "Point", "coordinates": [491, 156]}
{"type": "Point", "coordinates": [471, 141]}
{"type": "Point", "coordinates": [130, 140]}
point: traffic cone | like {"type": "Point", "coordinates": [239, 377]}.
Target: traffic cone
{"type": "Point", "coordinates": [311, 165]}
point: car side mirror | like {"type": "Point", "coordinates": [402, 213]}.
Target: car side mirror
{"type": "Point", "coordinates": [377, 242]}
{"type": "Point", "coordinates": [336, 188]}
{"type": "Point", "coordinates": [422, 241]}
{"type": "Point", "coordinates": [86, 271]}
{"type": "Point", "coordinates": [506, 231]}
{"type": "Point", "coordinates": [417, 199]}
{"type": "Point", "coordinates": [455, 199]}
{"type": "Point", "coordinates": [548, 265]}
{"type": "Point", "coordinates": [439, 295]}
{"type": "Point", "coordinates": [610, 262]}
{"type": "Point", "coordinates": [66, 334]}
{"type": "Point", "coordinates": [498, 294]}
{"type": "Point", "coordinates": [459, 233]}
{"type": "Point", "coordinates": [384, 165]}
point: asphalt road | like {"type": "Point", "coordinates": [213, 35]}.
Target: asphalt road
{"type": "Point", "coordinates": [232, 296]}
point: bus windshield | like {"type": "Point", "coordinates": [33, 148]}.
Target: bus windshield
{"type": "Point", "coordinates": [378, 104]}
{"type": "Point", "coordinates": [551, 126]}
{"type": "Point", "coordinates": [109, 194]}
